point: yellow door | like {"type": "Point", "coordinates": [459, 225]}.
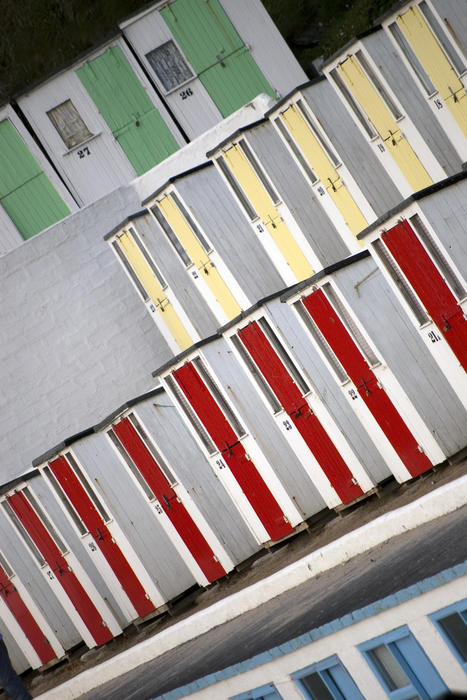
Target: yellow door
{"type": "Point", "coordinates": [199, 257]}
{"type": "Point", "coordinates": [146, 276]}
{"type": "Point", "coordinates": [324, 169]}
{"type": "Point", "coordinates": [384, 123]}
{"type": "Point", "coordinates": [267, 212]}
{"type": "Point", "coordinates": [436, 63]}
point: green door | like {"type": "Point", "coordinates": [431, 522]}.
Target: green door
{"type": "Point", "coordinates": [131, 116]}
{"type": "Point", "coordinates": [26, 193]}
{"type": "Point", "coordinates": [218, 55]}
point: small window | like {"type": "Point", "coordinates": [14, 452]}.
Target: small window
{"type": "Point", "coordinates": [327, 680]}
{"type": "Point", "coordinates": [63, 498]}
{"type": "Point", "coordinates": [284, 355]}
{"type": "Point", "coordinates": [154, 269]}
{"type": "Point", "coordinates": [85, 484]}
{"type": "Point", "coordinates": [321, 342]}
{"type": "Point", "coordinates": [411, 57]}
{"type": "Point", "coordinates": [402, 667]}
{"type": "Point", "coordinates": [69, 124]}
{"type": "Point", "coordinates": [295, 149]}
{"type": "Point", "coordinates": [45, 521]}
{"type": "Point", "coordinates": [387, 99]}
{"type": "Point", "coordinates": [256, 374]}
{"type": "Point", "coordinates": [354, 106]}
{"type": "Point", "coordinates": [130, 464]}
{"type": "Point", "coordinates": [249, 155]}
{"type": "Point", "coordinates": [266, 692]}
{"type": "Point", "coordinates": [326, 148]}
{"type": "Point", "coordinates": [222, 403]}
{"type": "Point", "coordinates": [438, 256]}
{"type": "Point", "coordinates": [169, 65]}
{"type": "Point", "coordinates": [452, 623]}
{"type": "Point", "coordinates": [131, 273]}
{"type": "Point", "coordinates": [150, 446]}
{"type": "Point", "coordinates": [188, 218]}
{"type": "Point", "coordinates": [171, 235]}
{"type": "Point", "coordinates": [191, 415]}
{"type": "Point", "coordinates": [439, 33]}
{"type": "Point", "coordinates": [24, 533]}
{"type": "Point", "coordinates": [351, 325]}
{"type": "Point", "coordinates": [239, 193]}
{"type": "Point", "coordinates": [6, 567]}
{"type": "Point", "coordinates": [401, 283]}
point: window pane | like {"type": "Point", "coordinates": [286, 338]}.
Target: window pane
{"type": "Point", "coordinates": [316, 687]}
{"type": "Point", "coordinates": [408, 52]}
{"type": "Point", "coordinates": [23, 532]}
{"type": "Point", "coordinates": [191, 415]}
{"type": "Point", "coordinates": [273, 402]}
{"type": "Point", "coordinates": [82, 529]}
{"type": "Point", "coordinates": [69, 124]}
{"type": "Point", "coordinates": [131, 465]}
{"type": "Point", "coordinates": [295, 150]}
{"type": "Point", "coordinates": [6, 567]}
{"type": "Point", "coordinates": [389, 669]}
{"type": "Point", "coordinates": [390, 104]}
{"type": "Point", "coordinates": [165, 226]}
{"type": "Point", "coordinates": [155, 453]}
{"type": "Point", "coordinates": [87, 488]}
{"type": "Point", "coordinates": [213, 388]}
{"type": "Point", "coordinates": [48, 525]}
{"type": "Point", "coordinates": [169, 65]}
{"type": "Point", "coordinates": [283, 354]}
{"type": "Point", "coordinates": [250, 212]}
{"type": "Point", "coordinates": [191, 223]}
{"type": "Point", "coordinates": [121, 255]}
{"type": "Point", "coordinates": [455, 628]}
{"type": "Point", "coordinates": [332, 156]}
{"type": "Point", "coordinates": [361, 116]}
{"type": "Point", "coordinates": [321, 342]}
{"type": "Point", "coordinates": [259, 171]}
{"type": "Point", "coordinates": [147, 257]}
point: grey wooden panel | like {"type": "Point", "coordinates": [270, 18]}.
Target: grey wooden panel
{"type": "Point", "coordinates": [295, 192]}
{"type": "Point", "coordinates": [183, 455]}
{"type": "Point", "coordinates": [223, 221]}
{"type": "Point", "coordinates": [399, 79]}
{"type": "Point", "coordinates": [446, 211]}
{"type": "Point", "coordinates": [300, 345]}
{"type": "Point", "coordinates": [352, 146]}
{"type": "Point", "coordinates": [175, 274]}
{"type": "Point", "coordinates": [77, 340]}
{"type": "Point", "coordinates": [260, 424]}
{"type": "Point", "coordinates": [17, 658]}
{"type": "Point", "coordinates": [454, 17]}
{"type": "Point", "coordinates": [132, 513]}
{"type": "Point", "coordinates": [25, 567]}
{"type": "Point", "coordinates": [403, 350]}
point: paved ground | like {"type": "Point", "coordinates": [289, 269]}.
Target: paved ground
{"type": "Point", "coordinates": [330, 528]}
{"type": "Point", "coordinates": [418, 554]}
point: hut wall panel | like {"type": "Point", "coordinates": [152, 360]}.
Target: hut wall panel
{"type": "Point", "coordinates": [72, 539]}
{"type": "Point", "coordinates": [300, 345]}
{"type": "Point", "coordinates": [174, 273]}
{"type": "Point", "coordinates": [189, 464]}
{"type": "Point", "coordinates": [388, 325]}
{"type": "Point", "coordinates": [352, 146]}
{"type": "Point", "coordinates": [221, 218]}
{"type": "Point", "coordinates": [25, 567]}
{"type": "Point", "coordinates": [263, 428]}
{"type": "Point", "coordinates": [452, 13]}
{"type": "Point", "coordinates": [133, 515]}
{"type": "Point", "coordinates": [77, 339]}
{"type": "Point", "coordinates": [196, 113]}
{"type": "Point", "coordinates": [394, 72]}
{"type": "Point", "coordinates": [446, 211]}
{"type": "Point", "coordinates": [260, 34]}
{"type": "Point", "coordinates": [296, 194]}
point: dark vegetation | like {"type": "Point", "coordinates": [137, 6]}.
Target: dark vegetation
{"type": "Point", "coordinates": [40, 36]}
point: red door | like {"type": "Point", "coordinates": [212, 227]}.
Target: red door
{"type": "Point", "coordinates": [94, 522]}
{"type": "Point", "coordinates": [23, 617]}
{"type": "Point", "coordinates": [243, 469]}
{"type": "Point", "coordinates": [429, 286]}
{"type": "Point", "coordinates": [174, 509]}
{"type": "Point", "coordinates": [373, 395]}
{"type": "Point", "coordinates": [52, 555]}
{"type": "Point", "coordinates": [291, 399]}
